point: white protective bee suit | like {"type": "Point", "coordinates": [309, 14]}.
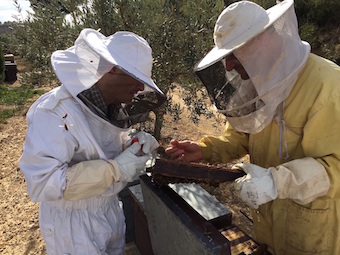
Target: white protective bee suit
{"type": "Point", "coordinates": [73, 160]}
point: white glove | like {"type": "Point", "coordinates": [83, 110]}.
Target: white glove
{"type": "Point", "coordinates": [257, 187]}
{"type": "Point", "coordinates": [302, 180]}
{"type": "Point", "coordinates": [146, 140]}
{"type": "Point", "coordinates": [129, 164]}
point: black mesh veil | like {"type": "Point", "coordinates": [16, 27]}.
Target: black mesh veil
{"type": "Point", "coordinates": [230, 94]}
{"type": "Point", "coordinates": [215, 81]}
{"type": "Point", "coordinates": [142, 104]}
{"type": "Point", "coordinates": [126, 115]}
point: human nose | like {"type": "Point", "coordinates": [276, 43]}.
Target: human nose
{"type": "Point", "coordinates": [140, 86]}
{"type": "Point", "coordinates": [230, 63]}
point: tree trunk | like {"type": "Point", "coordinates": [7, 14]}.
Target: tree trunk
{"type": "Point", "coordinates": [159, 121]}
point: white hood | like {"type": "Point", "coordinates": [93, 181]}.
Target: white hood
{"type": "Point", "coordinates": [270, 50]}
{"type": "Point", "coordinates": [93, 55]}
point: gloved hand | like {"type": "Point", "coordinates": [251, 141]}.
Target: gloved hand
{"type": "Point", "coordinates": [129, 164]}
{"type": "Point", "coordinates": [302, 180]}
{"type": "Point", "coordinates": [146, 140]}
{"type": "Point", "coordinates": [93, 177]}
{"type": "Point", "coordinates": [257, 187]}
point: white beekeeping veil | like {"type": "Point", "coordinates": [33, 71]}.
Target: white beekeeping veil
{"type": "Point", "coordinates": [268, 46]}
{"type": "Point", "coordinates": [93, 55]}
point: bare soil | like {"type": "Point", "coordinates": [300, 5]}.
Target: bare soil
{"type": "Point", "coordinates": [19, 227]}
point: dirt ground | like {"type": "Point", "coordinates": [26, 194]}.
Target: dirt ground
{"type": "Point", "coordinates": [19, 227]}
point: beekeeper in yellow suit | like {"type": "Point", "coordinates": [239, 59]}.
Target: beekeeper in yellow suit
{"type": "Point", "coordinates": [282, 105]}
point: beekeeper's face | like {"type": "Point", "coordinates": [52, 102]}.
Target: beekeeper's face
{"type": "Point", "coordinates": [232, 63]}
{"type": "Point", "coordinates": [118, 87]}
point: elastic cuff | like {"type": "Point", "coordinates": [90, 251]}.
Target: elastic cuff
{"type": "Point", "coordinates": [114, 169]}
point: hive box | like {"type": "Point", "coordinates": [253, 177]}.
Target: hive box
{"type": "Point", "coordinates": [10, 71]}
{"type": "Point", "coordinates": [185, 219]}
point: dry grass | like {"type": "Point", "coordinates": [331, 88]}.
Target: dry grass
{"type": "Point", "coordinates": [19, 228]}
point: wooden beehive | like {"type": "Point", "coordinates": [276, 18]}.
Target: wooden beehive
{"type": "Point", "coordinates": [176, 228]}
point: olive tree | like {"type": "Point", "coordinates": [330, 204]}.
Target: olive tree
{"type": "Point", "coordinates": [179, 32]}
{"type": "Point", "coordinates": [41, 33]}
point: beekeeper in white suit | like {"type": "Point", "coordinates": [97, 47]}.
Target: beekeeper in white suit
{"type": "Point", "coordinates": [74, 160]}
{"type": "Point", "coordinates": [282, 105]}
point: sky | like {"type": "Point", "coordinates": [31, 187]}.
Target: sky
{"type": "Point", "coordinates": [8, 9]}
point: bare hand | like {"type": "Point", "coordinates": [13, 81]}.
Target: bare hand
{"type": "Point", "coordinates": [186, 151]}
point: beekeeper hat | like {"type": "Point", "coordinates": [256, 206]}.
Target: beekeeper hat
{"type": "Point", "coordinates": [238, 24]}
{"type": "Point", "coordinates": [93, 55]}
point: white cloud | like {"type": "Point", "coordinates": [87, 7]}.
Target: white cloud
{"type": "Point", "coordinates": [8, 10]}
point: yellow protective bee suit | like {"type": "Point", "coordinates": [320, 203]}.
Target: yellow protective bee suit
{"type": "Point", "coordinates": [309, 127]}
